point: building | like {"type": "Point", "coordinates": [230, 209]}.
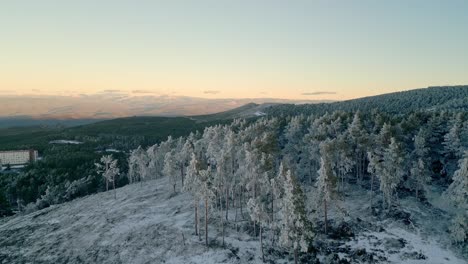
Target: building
{"type": "Point", "coordinates": [18, 157]}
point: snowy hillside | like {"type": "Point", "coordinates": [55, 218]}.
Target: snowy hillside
{"type": "Point", "coordinates": [144, 225]}
{"type": "Point", "coordinates": [148, 224]}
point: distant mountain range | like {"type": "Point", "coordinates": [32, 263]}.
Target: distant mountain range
{"type": "Point", "coordinates": [114, 105]}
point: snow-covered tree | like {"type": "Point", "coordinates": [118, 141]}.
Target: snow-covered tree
{"type": "Point", "coordinates": [392, 171]}
{"type": "Point", "coordinates": [170, 169]}
{"type": "Point", "coordinates": [452, 140]}
{"type": "Point", "coordinates": [376, 156]}
{"type": "Point", "coordinates": [419, 172]}
{"type": "Point", "coordinates": [458, 193]}
{"type": "Point", "coordinates": [326, 182]}
{"type": "Point", "coordinates": [207, 194]}
{"type": "Point", "coordinates": [184, 156]}
{"type": "Point", "coordinates": [459, 227]}
{"type": "Point", "coordinates": [312, 152]}
{"type": "Point", "coordinates": [293, 135]}
{"type": "Point", "coordinates": [458, 190]}
{"type": "Point", "coordinates": [343, 159]}
{"type": "Point", "coordinates": [258, 213]}
{"type": "Point", "coordinates": [109, 170]}
{"type": "Point", "coordinates": [138, 165]}
{"type": "Point", "coordinates": [193, 185]}
{"type": "Point", "coordinates": [359, 139]}
{"type": "Point", "coordinates": [295, 231]}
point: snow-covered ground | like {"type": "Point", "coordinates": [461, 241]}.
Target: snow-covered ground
{"type": "Point", "coordinates": [148, 224]}
{"type": "Point", "coordinates": [65, 141]}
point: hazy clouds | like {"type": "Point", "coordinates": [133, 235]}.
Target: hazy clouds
{"type": "Point", "coordinates": [318, 93]}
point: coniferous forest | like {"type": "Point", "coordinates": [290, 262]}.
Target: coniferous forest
{"type": "Point", "coordinates": [303, 179]}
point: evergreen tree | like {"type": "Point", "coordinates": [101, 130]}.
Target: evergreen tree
{"type": "Point", "coordinates": [295, 231]}
{"type": "Point", "coordinates": [392, 171]}
{"type": "Point", "coordinates": [358, 139]}
{"type": "Point", "coordinates": [326, 181]}
{"type": "Point", "coordinates": [458, 194]}
{"type": "Point", "coordinates": [207, 194]}
{"type": "Point", "coordinates": [170, 169]}
{"type": "Point", "coordinates": [452, 140]}
{"type": "Point", "coordinates": [138, 165]}
{"type": "Point", "coordinates": [193, 185]}
{"type": "Point", "coordinates": [419, 172]}
{"type": "Point", "coordinates": [109, 170]}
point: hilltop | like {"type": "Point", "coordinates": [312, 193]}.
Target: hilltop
{"type": "Point", "coordinates": [149, 224]}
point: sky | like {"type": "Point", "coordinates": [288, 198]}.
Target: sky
{"type": "Point", "coordinates": [232, 49]}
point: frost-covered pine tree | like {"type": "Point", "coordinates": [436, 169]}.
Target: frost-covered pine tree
{"type": "Point", "coordinates": [343, 159]}
{"type": "Point", "coordinates": [459, 227]}
{"type": "Point", "coordinates": [358, 138]}
{"type": "Point", "coordinates": [325, 184]}
{"type": "Point", "coordinates": [253, 175]}
{"type": "Point", "coordinates": [109, 170]}
{"type": "Point", "coordinates": [295, 228]}
{"type": "Point", "coordinates": [374, 168]}
{"type": "Point", "coordinates": [184, 157]}
{"type": "Point", "coordinates": [193, 185]}
{"type": "Point", "coordinates": [392, 171]}
{"type": "Point", "coordinates": [312, 150]}
{"type": "Point", "coordinates": [293, 136]}
{"type": "Point", "coordinates": [207, 194]}
{"type": "Point", "coordinates": [458, 193]}
{"type": "Point", "coordinates": [138, 165]}
{"type": "Point", "coordinates": [258, 213]}
{"type": "Point", "coordinates": [419, 172]}
{"type": "Point", "coordinates": [155, 162]}
{"type": "Point", "coordinates": [277, 192]}
{"type": "Point", "coordinates": [452, 142]}
{"type": "Point", "coordinates": [170, 168]}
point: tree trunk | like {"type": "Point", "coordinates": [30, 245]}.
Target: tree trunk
{"type": "Point", "coordinates": [295, 255]}
{"type": "Point", "coordinates": [261, 244]}
{"type": "Point", "coordinates": [326, 220]}
{"type": "Point", "coordinates": [272, 209]}
{"type": "Point", "coordinates": [371, 190]}
{"type": "Point", "coordinates": [115, 192]}
{"type": "Point", "coordinates": [254, 228]}
{"type": "Point", "coordinates": [240, 202]}
{"type": "Point", "coordinates": [227, 204]}
{"type": "Point", "coordinates": [223, 228]}
{"type": "Point", "coordinates": [206, 221]}
{"type": "Point", "coordinates": [234, 205]}
{"type": "Point", "coordinates": [107, 185]}
{"type": "Point", "coordinates": [182, 175]}
{"type": "Point", "coordinates": [196, 217]}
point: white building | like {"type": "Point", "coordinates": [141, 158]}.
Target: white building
{"type": "Point", "coordinates": [18, 157]}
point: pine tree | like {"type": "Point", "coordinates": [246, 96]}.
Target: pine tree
{"type": "Point", "coordinates": [325, 184]}
{"type": "Point", "coordinates": [109, 170]}
{"type": "Point", "coordinates": [296, 231]}
{"type": "Point", "coordinates": [170, 168]}
{"type": "Point", "coordinates": [458, 189]}
{"type": "Point", "coordinates": [458, 194]}
{"type": "Point", "coordinates": [193, 185]}
{"type": "Point", "coordinates": [419, 172]}
{"type": "Point", "coordinates": [392, 171]}
{"type": "Point", "coordinates": [277, 191]}
{"type": "Point", "coordinates": [207, 194]}
{"type": "Point", "coordinates": [452, 140]}
{"type": "Point", "coordinates": [138, 165]}
{"type": "Point", "coordinates": [258, 214]}
{"type": "Point", "coordinates": [184, 157]}
{"type": "Point", "coordinates": [358, 138]}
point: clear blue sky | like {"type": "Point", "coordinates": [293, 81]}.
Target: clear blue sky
{"type": "Point", "coordinates": [237, 48]}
